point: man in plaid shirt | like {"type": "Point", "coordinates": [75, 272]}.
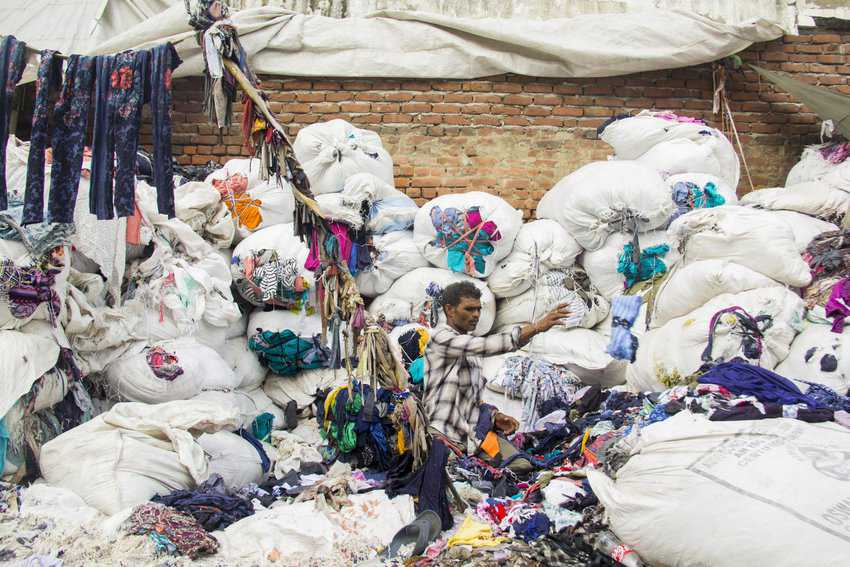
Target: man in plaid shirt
{"type": "Point", "coordinates": [453, 379]}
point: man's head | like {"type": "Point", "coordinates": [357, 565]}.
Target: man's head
{"type": "Point", "coordinates": [462, 304]}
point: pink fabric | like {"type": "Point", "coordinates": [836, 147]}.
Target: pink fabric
{"type": "Point", "coordinates": [133, 234]}
{"type": "Point", "coordinates": [312, 262]}
{"type": "Point", "coordinates": [341, 232]}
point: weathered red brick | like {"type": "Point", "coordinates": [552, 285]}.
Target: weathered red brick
{"type": "Point", "coordinates": [518, 99]}
{"type": "Point", "coordinates": [355, 107]}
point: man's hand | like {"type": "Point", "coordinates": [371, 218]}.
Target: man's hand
{"type": "Point", "coordinates": [554, 317]}
{"type": "Point", "coordinates": [505, 424]}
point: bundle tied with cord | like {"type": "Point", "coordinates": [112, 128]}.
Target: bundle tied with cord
{"type": "Point", "coordinates": [378, 364]}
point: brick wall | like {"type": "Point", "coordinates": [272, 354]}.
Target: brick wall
{"type": "Point", "coordinates": [516, 136]}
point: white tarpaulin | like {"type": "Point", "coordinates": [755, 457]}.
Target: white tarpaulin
{"type": "Point", "coordinates": [423, 45]}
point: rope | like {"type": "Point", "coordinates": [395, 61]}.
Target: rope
{"type": "Point", "coordinates": [468, 264]}
{"type": "Point", "coordinates": [721, 103]}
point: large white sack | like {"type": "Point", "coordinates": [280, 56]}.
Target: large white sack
{"type": "Point", "coordinates": [256, 207]}
{"type": "Point", "coordinates": [839, 176]}
{"type": "Point", "coordinates": [129, 454]}
{"type": "Point", "coordinates": [582, 351]}
{"type": "Point", "coordinates": [447, 226]}
{"type": "Point", "coordinates": [814, 198]}
{"type": "Point", "coordinates": [407, 300]}
{"type": "Point", "coordinates": [633, 136]}
{"type": "Point", "coordinates": [198, 204]}
{"type": "Point", "coordinates": [572, 286]}
{"type": "Point", "coordinates": [244, 363]}
{"type": "Point", "coordinates": [302, 387]}
{"type": "Point", "coordinates": [250, 168]}
{"type": "Point", "coordinates": [253, 203]}
{"type": "Point", "coordinates": [265, 404]}
{"type": "Point", "coordinates": [396, 254]}
{"type": "Point", "coordinates": [229, 402]}
{"type": "Point", "coordinates": [677, 347]}
{"type": "Point", "coordinates": [819, 355]}
{"type": "Point", "coordinates": [811, 167]}
{"type": "Point", "coordinates": [59, 259]}
{"type": "Point", "coordinates": [290, 529]}
{"type": "Point", "coordinates": [391, 210]}
{"type": "Point", "coordinates": [175, 297]}
{"type": "Point", "coordinates": [696, 492]}
{"type": "Point", "coordinates": [25, 358]}
{"type": "Point", "coordinates": [746, 236]}
{"type": "Point", "coordinates": [601, 265]}
{"type": "Point", "coordinates": [591, 202]}
{"type": "Point", "coordinates": [233, 458]}
{"type": "Point", "coordinates": [280, 320]}
{"type": "Point", "coordinates": [543, 241]}
{"type": "Point", "coordinates": [356, 198]}
{"type": "Point", "coordinates": [268, 268]}
{"type": "Point", "coordinates": [805, 227]}
{"type": "Point", "coordinates": [386, 209]}
{"type": "Point", "coordinates": [331, 152]}
{"type": "Point", "coordinates": [690, 286]}
{"type": "Point", "coordinates": [133, 379]}
{"type": "Point", "coordinates": [308, 535]}
{"type": "Point", "coordinates": [712, 154]}
{"type": "Point", "coordinates": [237, 328]}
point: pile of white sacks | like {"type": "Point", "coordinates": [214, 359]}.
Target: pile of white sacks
{"type": "Point", "coordinates": [197, 287]}
{"type": "Point", "coordinates": [161, 328]}
{"type": "Point", "coordinates": [716, 253]}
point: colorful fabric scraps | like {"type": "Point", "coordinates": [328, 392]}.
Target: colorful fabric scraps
{"type": "Point", "coordinates": [646, 267]}
{"type": "Point", "coordinates": [234, 193]}
{"type": "Point", "coordinates": [26, 288]}
{"type": "Point", "coordinates": [163, 364]}
{"type": "Point", "coordinates": [689, 196]}
{"type": "Point", "coordinates": [466, 236]}
{"type": "Point", "coordinates": [285, 353]}
{"type": "Point", "coordinates": [266, 278]}
{"type": "Point", "coordinates": [172, 531]}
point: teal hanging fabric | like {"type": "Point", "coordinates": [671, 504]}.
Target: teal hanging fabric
{"type": "Point", "coordinates": [689, 196]}
{"type": "Point", "coordinates": [647, 267]}
{"type": "Point", "coordinates": [708, 198]}
{"type": "Point", "coordinates": [4, 444]}
{"type": "Point", "coordinates": [262, 427]}
{"type": "Point", "coordinates": [285, 353]}
{"type": "Point", "coordinates": [417, 370]}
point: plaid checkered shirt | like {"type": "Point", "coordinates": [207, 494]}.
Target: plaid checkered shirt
{"type": "Point", "coordinates": [453, 379]}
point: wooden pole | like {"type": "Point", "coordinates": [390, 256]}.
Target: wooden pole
{"type": "Point", "coordinates": [261, 105]}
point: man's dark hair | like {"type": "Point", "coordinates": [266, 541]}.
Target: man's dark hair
{"type": "Point", "coordinates": [453, 293]}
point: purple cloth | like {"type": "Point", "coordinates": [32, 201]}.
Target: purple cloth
{"type": "Point", "coordinates": [838, 306]}
{"type": "Point", "coordinates": [747, 380]}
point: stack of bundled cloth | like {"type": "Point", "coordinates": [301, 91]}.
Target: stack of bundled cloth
{"type": "Point", "coordinates": [161, 349]}
{"type": "Point", "coordinates": [671, 270]}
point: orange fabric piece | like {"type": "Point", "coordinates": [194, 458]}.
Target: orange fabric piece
{"type": "Point", "coordinates": [490, 445]}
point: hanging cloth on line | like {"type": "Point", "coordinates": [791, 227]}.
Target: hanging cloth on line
{"type": "Point", "coordinates": [12, 63]}
{"type": "Point", "coordinates": [49, 80]}
{"type": "Point", "coordinates": [70, 117]}
{"type": "Point", "coordinates": [124, 83]}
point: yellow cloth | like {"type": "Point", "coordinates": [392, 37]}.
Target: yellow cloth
{"type": "Point", "coordinates": [329, 403]}
{"type": "Point", "coordinates": [476, 534]}
{"type": "Point", "coordinates": [245, 210]}
{"type": "Point", "coordinates": [424, 337]}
